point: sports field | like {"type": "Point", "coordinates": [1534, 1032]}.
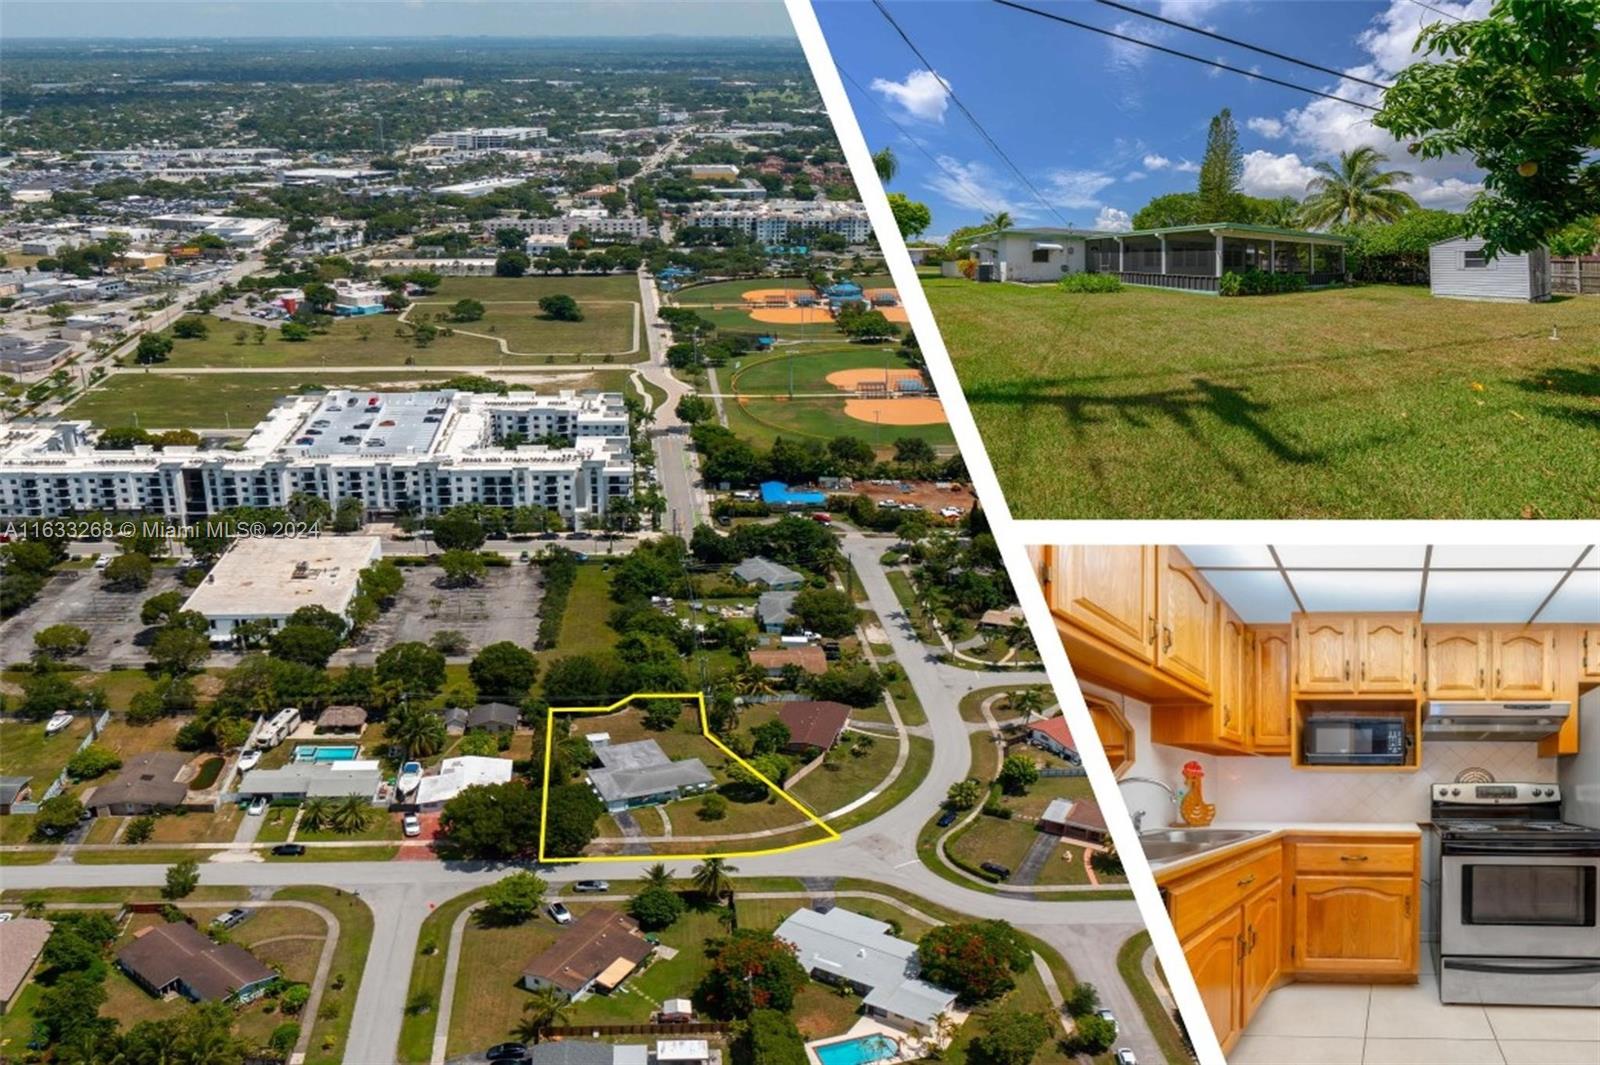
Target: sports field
{"type": "Point", "coordinates": [1370, 402]}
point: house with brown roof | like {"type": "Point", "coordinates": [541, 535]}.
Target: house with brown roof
{"type": "Point", "coordinates": [596, 952]}
{"type": "Point", "coordinates": [147, 783]}
{"type": "Point", "coordinates": [813, 726]}
{"type": "Point", "coordinates": [1051, 734]}
{"type": "Point", "coordinates": [773, 659]}
{"type": "Point", "coordinates": [21, 941]}
{"type": "Point", "coordinates": [341, 720]}
{"type": "Point", "coordinates": [175, 957]}
{"type": "Point", "coordinates": [1079, 819]}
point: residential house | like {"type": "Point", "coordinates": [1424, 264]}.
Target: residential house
{"type": "Point", "coordinates": [494, 717]}
{"type": "Point", "coordinates": [455, 719]}
{"type": "Point", "coordinates": [764, 573]}
{"type": "Point", "coordinates": [675, 1011]}
{"type": "Point", "coordinates": [1000, 619]}
{"type": "Point", "coordinates": [848, 948]}
{"type": "Point", "coordinates": [342, 720]}
{"type": "Point", "coordinates": [596, 952]}
{"type": "Point", "coordinates": [585, 1052]}
{"type": "Point", "coordinates": [774, 660]}
{"type": "Point", "coordinates": [147, 783]}
{"type": "Point", "coordinates": [682, 1052]}
{"type": "Point", "coordinates": [640, 774]}
{"type": "Point", "coordinates": [774, 610]}
{"type": "Point", "coordinates": [1051, 734]}
{"type": "Point", "coordinates": [174, 957]}
{"type": "Point", "coordinates": [1079, 819]}
{"type": "Point", "coordinates": [21, 941]}
{"type": "Point", "coordinates": [315, 780]}
{"type": "Point", "coordinates": [455, 775]}
{"type": "Point", "coordinates": [1459, 269]}
{"type": "Point", "coordinates": [813, 726]}
{"type": "Point", "coordinates": [14, 790]}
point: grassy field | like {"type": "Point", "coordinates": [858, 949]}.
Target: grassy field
{"type": "Point", "coordinates": [25, 751]}
{"type": "Point", "coordinates": [332, 1025]}
{"type": "Point", "coordinates": [992, 839]}
{"type": "Point", "coordinates": [764, 420]}
{"type": "Point", "coordinates": [583, 624]}
{"type": "Point", "coordinates": [588, 287]}
{"type": "Point", "coordinates": [1374, 402]}
{"type": "Point", "coordinates": [733, 291]}
{"type": "Point", "coordinates": [213, 401]}
{"type": "Point", "coordinates": [768, 373]}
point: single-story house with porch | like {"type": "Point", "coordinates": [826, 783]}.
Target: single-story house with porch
{"type": "Point", "coordinates": [774, 610]}
{"type": "Point", "coordinates": [1190, 258]}
{"type": "Point", "coordinates": [640, 774]}
{"type": "Point", "coordinates": [813, 726]}
{"type": "Point", "coordinates": [147, 782]}
{"type": "Point", "coordinates": [14, 790]}
{"type": "Point", "coordinates": [494, 717]}
{"type": "Point", "coordinates": [1051, 734]}
{"type": "Point", "coordinates": [175, 957]}
{"type": "Point", "coordinates": [765, 573]}
{"type": "Point", "coordinates": [1459, 269]}
{"type": "Point", "coordinates": [595, 952]}
{"type": "Point", "coordinates": [773, 660]}
{"type": "Point", "coordinates": [315, 780]}
{"type": "Point", "coordinates": [1079, 819]}
{"type": "Point", "coordinates": [848, 948]}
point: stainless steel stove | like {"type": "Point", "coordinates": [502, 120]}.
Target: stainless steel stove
{"type": "Point", "coordinates": [1516, 897]}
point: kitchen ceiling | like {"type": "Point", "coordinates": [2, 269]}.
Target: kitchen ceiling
{"type": "Point", "coordinates": [1513, 585]}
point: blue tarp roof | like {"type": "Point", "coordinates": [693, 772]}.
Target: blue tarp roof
{"type": "Point", "coordinates": [779, 493]}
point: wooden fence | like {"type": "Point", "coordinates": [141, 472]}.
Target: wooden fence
{"type": "Point", "coordinates": [1575, 276]}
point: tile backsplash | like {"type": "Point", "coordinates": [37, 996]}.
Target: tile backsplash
{"type": "Point", "coordinates": [1267, 789]}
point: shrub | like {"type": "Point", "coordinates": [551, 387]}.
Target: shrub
{"type": "Point", "coordinates": [656, 908]}
{"type": "Point", "coordinates": [93, 761]}
{"type": "Point", "coordinates": [139, 830]}
{"type": "Point", "coordinates": [1255, 282]}
{"type": "Point", "coordinates": [1091, 283]}
{"type": "Point", "coordinates": [713, 808]}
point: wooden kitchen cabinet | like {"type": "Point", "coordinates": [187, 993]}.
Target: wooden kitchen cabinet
{"type": "Point", "coordinates": [1386, 654]}
{"type": "Point", "coordinates": [1109, 591]}
{"type": "Point", "coordinates": [1234, 688]}
{"type": "Point", "coordinates": [1356, 654]}
{"type": "Point", "coordinates": [1213, 955]}
{"type": "Point", "coordinates": [1263, 949]}
{"type": "Point", "coordinates": [1589, 663]}
{"type": "Point", "coordinates": [1271, 728]}
{"type": "Point", "coordinates": [1456, 665]}
{"type": "Point", "coordinates": [1187, 617]}
{"type": "Point", "coordinates": [1355, 925]}
{"type": "Point", "coordinates": [1324, 645]}
{"type": "Point", "coordinates": [1524, 663]}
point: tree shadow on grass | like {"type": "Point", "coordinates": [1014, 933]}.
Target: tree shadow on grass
{"type": "Point", "coordinates": [1566, 383]}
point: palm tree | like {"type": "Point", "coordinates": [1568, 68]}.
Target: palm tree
{"type": "Point", "coordinates": [658, 876]}
{"type": "Point", "coordinates": [419, 733]}
{"type": "Point", "coordinates": [315, 813]}
{"type": "Point", "coordinates": [1356, 191]}
{"type": "Point", "coordinates": [1018, 636]}
{"type": "Point", "coordinates": [1284, 212]}
{"type": "Point", "coordinates": [711, 879]}
{"type": "Point", "coordinates": [1000, 221]}
{"type": "Point", "coordinates": [351, 815]}
{"type": "Point", "coordinates": [886, 165]}
{"type": "Point", "coordinates": [1027, 702]}
{"type": "Point", "coordinates": [545, 1008]}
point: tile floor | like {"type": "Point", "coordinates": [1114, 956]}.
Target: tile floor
{"type": "Point", "coordinates": [1381, 1024]}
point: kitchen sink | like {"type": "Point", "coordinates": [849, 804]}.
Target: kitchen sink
{"type": "Point", "coordinates": [1164, 845]}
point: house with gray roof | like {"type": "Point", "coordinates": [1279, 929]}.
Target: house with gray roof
{"type": "Point", "coordinates": [494, 717]}
{"type": "Point", "coordinates": [14, 790]}
{"type": "Point", "coordinates": [148, 782]}
{"type": "Point", "coordinates": [583, 1052]}
{"type": "Point", "coordinates": [640, 774]}
{"type": "Point", "coordinates": [175, 957]}
{"type": "Point", "coordinates": [765, 573]}
{"type": "Point", "coordinates": [315, 780]}
{"type": "Point", "coordinates": [845, 947]}
{"type": "Point", "coordinates": [774, 610]}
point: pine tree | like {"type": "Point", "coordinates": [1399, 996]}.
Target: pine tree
{"type": "Point", "coordinates": [1220, 170]}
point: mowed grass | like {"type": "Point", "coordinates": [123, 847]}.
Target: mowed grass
{"type": "Point", "coordinates": [1373, 402]}
{"type": "Point", "coordinates": [213, 401]}
{"type": "Point", "coordinates": [588, 287]}
{"type": "Point", "coordinates": [25, 751]}
{"type": "Point", "coordinates": [607, 327]}
{"type": "Point", "coordinates": [764, 420]}
{"type": "Point", "coordinates": [769, 373]}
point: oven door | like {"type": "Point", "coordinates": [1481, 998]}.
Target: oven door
{"type": "Point", "coordinates": [1519, 905]}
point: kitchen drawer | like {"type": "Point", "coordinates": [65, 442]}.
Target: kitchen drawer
{"type": "Point", "coordinates": [1195, 901]}
{"type": "Point", "coordinates": [1355, 858]}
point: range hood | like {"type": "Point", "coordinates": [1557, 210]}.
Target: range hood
{"type": "Point", "coordinates": [1493, 721]}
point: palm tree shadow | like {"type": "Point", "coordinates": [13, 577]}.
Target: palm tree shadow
{"type": "Point", "coordinates": [1568, 382]}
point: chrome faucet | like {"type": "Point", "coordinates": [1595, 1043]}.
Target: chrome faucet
{"type": "Point", "coordinates": [1138, 815]}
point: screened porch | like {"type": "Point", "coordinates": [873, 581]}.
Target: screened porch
{"type": "Point", "coordinates": [1195, 261]}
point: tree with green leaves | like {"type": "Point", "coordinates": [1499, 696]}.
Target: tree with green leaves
{"type": "Point", "coordinates": [504, 670]}
{"type": "Point", "coordinates": [543, 1009]}
{"type": "Point", "coordinates": [1355, 191]}
{"type": "Point", "coordinates": [656, 908]}
{"type": "Point", "coordinates": [964, 794]}
{"type": "Point", "coordinates": [417, 731]}
{"type": "Point", "coordinates": [467, 310]}
{"type": "Point", "coordinates": [712, 879]}
{"type": "Point", "coordinates": [514, 899]}
{"type": "Point", "coordinates": [55, 643]}
{"type": "Point", "coordinates": [492, 821]}
{"type": "Point", "coordinates": [1010, 1036]}
{"type": "Point", "coordinates": [976, 959]}
{"type": "Point", "coordinates": [57, 816]}
{"type": "Point", "coordinates": [748, 971]}
{"type": "Point", "coordinates": [182, 878]}
{"type": "Point", "coordinates": [1017, 774]}
{"type": "Point", "coordinates": [413, 667]}
{"type": "Point", "coordinates": [561, 308]}
{"type": "Point", "coordinates": [885, 163]}
{"type": "Point", "coordinates": [462, 569]}
{"type": "Point", "coordinates": [1519, 92]}
{"type": "Point", "coordinates": [128, 573]}
{"type": "Point", "coordinates": [911, 217]}
{"type": "Point", "coordinates": [1220, 169]}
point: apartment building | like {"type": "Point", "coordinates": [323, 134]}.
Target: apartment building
{"type": "Point", "coordinates": [593, 220]}
{"type": "Point", "coordinates": [421, 452]}
{"type": "Point", "coordinates": [771, 221]}
{"type": "Point", "coordinates": [487, 138]}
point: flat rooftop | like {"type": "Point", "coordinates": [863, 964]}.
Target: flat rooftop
{"type": "Point", "coordinates": [274, 577]}
{"type": "Point", "coordinates": [352, 423]}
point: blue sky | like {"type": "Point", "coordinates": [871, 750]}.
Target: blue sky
{"type": "Point", "coordinates": [1100, 126]}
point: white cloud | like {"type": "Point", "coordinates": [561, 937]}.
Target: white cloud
{"type": "Point", "coordinates": [923, 95]}
{"type": "Point", "coordinates": [1113, 219]}
{"type": "Point", "coordinates": [1269, 128]}
{"type": "Point", "coordinates": [1076, 188]}
{"type": "Point", "coordinates": [1451, 194]}
{"type": "Point", "coordinates": [1156, 162]}
{"type": "Point", "coordinates": [1186, 167]}
{"type": "Point", "coordinates": [1134, 175]}
{"type": "Point", "coordinates": [1269, 175]}
{"type": "Point", "coordinates": [974, 186]}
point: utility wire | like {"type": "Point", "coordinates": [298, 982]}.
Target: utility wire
{"type": "Point", "coordinates": [948, 91]}
{"type": "Point", "coordinates": [1436, 11]}
{"type": "Point", "coordinates": [1183, 55]}
{"type": "Point", "coordinates": [1242, 44]}
{"type": "Point", "coordinates": [960, 181]}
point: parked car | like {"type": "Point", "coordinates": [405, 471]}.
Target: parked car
{"type": "Point", "coordinates": [996, 869]}
{"type": "Point", "coordinates": [507, 1052]}
{"type": "Point", "coordinates": [948, 818]}
{"type": "Point", "coordinates": [6, 916]}
{"type": "Point", "coordinates": [411, 825]}
{"type": "Point", "coordinates": [249, 760]}
{"type": "Point", "coordinates": [229, 919]}
{"type": "Point", "coordinates": [257, 807]}
{"type": "Point", "coordinates": [592, 886]}
{"type": "Point", "coordinates": [289, 850]}
{"type": "Point", "coordinates": [1107, 1016]}
{"type": "Point", "coordinates": [1125, 1057]}
{"type": "Point", "coordinates": [102, 561]}
{"type": "Point", "coordinates": [559, 913]}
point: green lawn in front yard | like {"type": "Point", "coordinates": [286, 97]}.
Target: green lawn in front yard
{"type": "Point", "coordinates": [1007, 841]}
{"type": "Point", "coordinates": [1369, 402]}
{"type": "Point", "coordinates": [488, 1002]}
{"type": "Point", "coordinates": [858, 764]}
{"type": "Point", "coordinates": [25, 751]}
{"type": "Point", "coordinates": [329, 1032]}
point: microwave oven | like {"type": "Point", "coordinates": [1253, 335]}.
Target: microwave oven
{"type": "Point", "coordinates": [1354, 741]}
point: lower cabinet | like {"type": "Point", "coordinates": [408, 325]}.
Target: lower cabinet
{"type": "Point", "coordinates": [1354, 925]}
{"type": "Point", "coordinates": [1263, 949]}
{"type": "Point", "coordinates": [1213, 954]}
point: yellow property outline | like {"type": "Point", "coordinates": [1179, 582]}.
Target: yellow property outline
{"type": "Point", "coordinates": [705, 730]}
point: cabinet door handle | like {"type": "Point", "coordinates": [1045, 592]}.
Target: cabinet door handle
{"type": "Point", "coordinates": [1152, 631]}
{"type": "Point", "coordinates": [1243, 948]}
{"type": "Point", "coordinates": [1408, 905]}
{"type": "Point", "coordinates": [1354, 857]}
{"type": "Point", "coordinates": [1254, 935]}
{"type": "Point", "coordinates": [1247, 881]}
{"type": "Point", "coordinates": [1498, 682]}
{"type": "Point", "coordinates": [1166, 638]}
{"type": "Point", "coordinates": [1347, 670]}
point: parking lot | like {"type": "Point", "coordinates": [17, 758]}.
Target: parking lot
{"type": "Point", "coordinates": [80, 597]}
{"type": "Point", "coordinates": [504, 605]}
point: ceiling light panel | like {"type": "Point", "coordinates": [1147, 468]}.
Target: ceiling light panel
{"type": "Point", "coordinates": [1486, 595]}
{"type": "Point", "coordinates": [1258, 596]}
{"type": "Point", "coordinates": [1503, 556]}
{"type": "Point", "coordinates": [1354, 556]}
{"type": "Point", "coordinates": [1578, 600]}
{"type": "Point", "coordinates": [1358, 590]}
{"type": "Point", "coordinates": [1204, 555]}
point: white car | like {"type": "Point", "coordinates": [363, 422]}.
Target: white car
{"type": "Point", "coordinates": [257, 807]}
{"type": "Point", "coordinates": [6, 916]}
{"type": "Point", "coordinates": [411, 825]}
{"type": "Point", "coordinates": [559, 913]}
{"type": "Point", "coordinates": [1107, 1016]}
{"type": "Point", "coordinates": [249, 759]}
{"type": "Point", "coordinates": [949, 512]}
{"type": "Point", "coordinates": [102, 561]}
{"type": "Point", "coordinates": [1125, 1057]}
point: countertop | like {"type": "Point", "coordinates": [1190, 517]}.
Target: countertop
{"type": "Point", "coordinates": [1272, 830]}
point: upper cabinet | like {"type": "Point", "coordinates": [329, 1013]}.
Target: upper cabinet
{"type": "Point", "coordinates": [1589, 664]}
{"type": "Point", "coordinates": [1468, 662]}
{"type": "Point", "coordinates": [1234, 693]}
{"type": "Point", "coordinates": [1456, 662]}
{"type": "Point", "coordinates": [1186, 615]}
{"type": "Point", "coordinates": [1356, 654]}
{"type": "Point", "coordinates": [1109, 591]}
{"type": "Point", "coordinates": [1273, 709]}
{"type": "Point", "coordinates": [1524, 663]}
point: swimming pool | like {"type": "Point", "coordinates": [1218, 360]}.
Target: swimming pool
{"type": "Point", "coordinates": [862, 1051]}
{"type": "Point", "coordinates": [323, 752]}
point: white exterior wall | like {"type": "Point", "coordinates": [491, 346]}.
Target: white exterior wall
{"type": "Point", "coordinates": [1508, 277]}
{"type": "Point", "coordinates": [1016, 255]}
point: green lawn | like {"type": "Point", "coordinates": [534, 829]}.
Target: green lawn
{"type": "Point", "coordinates": [733, 291]}
{"type": "Point", "coordinates": [583, 625]}
{"type": "Point", "coordinates": [332, 1026]}
{"type": "Point", "coordinates": [25, 751]}
{"type": "Point", "coordinates": [607, 328]}
{"type": "Point", "coordinates": [1372, 402]}
{"type": "Point", "coordinates": [762, 421]}
{"type": "Point", "coordinates": [856, 766]}
{"type": "Point", "coordinates": [213, 401]}
{"type": "Point", "coordinates": [588, 287]}
{"type": "Point", "coordinates": [1130, 965]}
{"type": "Point", "coordinates": [488, 999]}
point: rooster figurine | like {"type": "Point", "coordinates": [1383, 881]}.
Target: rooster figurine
{"type": "Point", "coordinates": [1196, 812]}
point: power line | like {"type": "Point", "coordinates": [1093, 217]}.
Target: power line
{"type": "Point", "coordinates": [952, 175]}
{"type": "Point", "coordinates": [1242, 44]}
{"type": "Point", "coordinates": [1218, 64]}
{"type": "Point", "coordinates": [969, 115]}
{"type": "Point", "coordinates": [1436, 11]}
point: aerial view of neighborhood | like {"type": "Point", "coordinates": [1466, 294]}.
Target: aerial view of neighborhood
{"type": "Point", "coordinates": [485, 575]}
